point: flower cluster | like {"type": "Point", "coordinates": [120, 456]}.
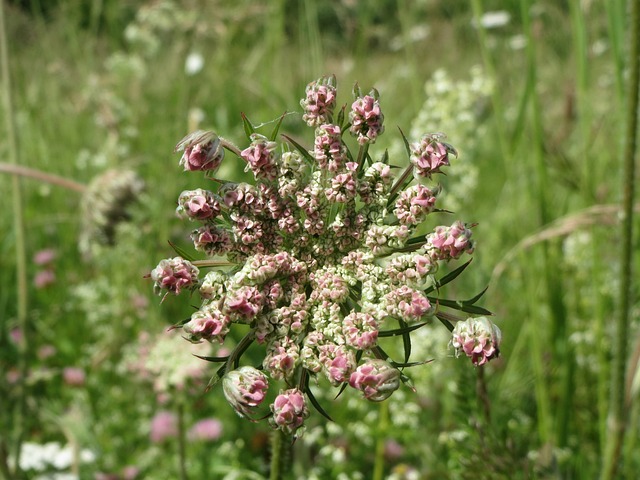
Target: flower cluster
{"type": "Point", "coordinates": [320, 257]}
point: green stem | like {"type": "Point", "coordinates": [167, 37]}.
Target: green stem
{"type": "Point", "coordinates": [617, 413]}
{"type": "Point", "coordinates": [381, 431]}
{"type": "Point", "coordinates": [21, 261]}
{"type": "Point", "coordinates": [277, 447]}
{"type": "Point", "coordinates": [182, 455]}
{"type": "Point", "coordinates": [496, 100]}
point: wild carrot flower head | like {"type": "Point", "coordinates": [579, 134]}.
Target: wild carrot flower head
{"type": "Point", "coordinates": [317, 258]}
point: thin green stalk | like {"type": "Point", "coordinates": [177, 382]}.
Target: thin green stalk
{"type": "Point", "coordinates": [617, 412]}
{"type": "Point", "coordinates": [615, 16]}
{"type": "Point", "coordinates": [580, 54]}
{"type": "Point", "coordinates": [182, 440]}
{"type": "Point", "coordinates": [551, 256]}
{"type": "Point", "coordinates": [310, 36]}
{"type": "Point", "coordinates": [541, 390]}
{"type": "Point", "coordinates": [19, 232]}
{"type": "Point", "coordinates": [496, 99]}
{"type": "Point", "coordinates": [381, 431]}
{"type": "Point", "coordinates": [277, 443]}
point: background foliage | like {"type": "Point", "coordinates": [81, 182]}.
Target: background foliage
{"type": "Point", "coordinates": [531, 100]}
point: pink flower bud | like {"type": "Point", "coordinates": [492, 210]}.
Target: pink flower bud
{"type": "Point", "coordinates": [366, 119]}
{"type": "Point", "coordinates": [245, 388]}
{"type": "Point", "coordinates": [478, 338]}
{"type": "Point", "coordinates": [320, 101]}
{"type": "Point", "coordinates": [208, 323]}
{"type": "Point", "coordinates": [198, 204]}
{"type": "Point", "coordinates": [447, 243]}
{"type": "Point", "coordinates": [289, 411]}
{"type": "Point", "coordinates": [202, 151]}
{"type": "Point", "coordinates": [260, 157]}
{"type": "Point", "coordinates": [174, 274]}
{"type": "Point", "coordinates": [376, 379]}
{"type": "Point", "coordinates": [429, 155]}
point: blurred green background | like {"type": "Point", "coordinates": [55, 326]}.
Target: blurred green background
{"type": "Point", "coordinates": [531, 94]}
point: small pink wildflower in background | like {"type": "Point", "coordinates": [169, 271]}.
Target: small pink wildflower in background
{"type": "Point", "coordinates": [46, 351]}
{"type": "Point", "coordinates": [478, 338]}
{"type": "Point", "coordinates": [45, 257]}
{"type": "Point", "coordinates": [74, 376]}
{"type": "Point", "coordinates": [16, 335]}
{"type": "Point", "coordinates": [164, 425]}
{"type": "Point", "coordinates": [207, 430]}
{"type": "Point", "coordinates": [130, 472]}
{"type": "Point", "coordinates": [44, 278]}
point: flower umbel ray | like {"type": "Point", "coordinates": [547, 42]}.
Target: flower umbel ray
{"type": "Point", "coordinates": [318, 256]}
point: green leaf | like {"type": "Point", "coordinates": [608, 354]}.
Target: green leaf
{"type": "Point", "coordinates": [400, 331]}
{"type": "Point", "coordinates": [451, 276]}
{"type": "Point", "coordinates": [378, 352]}
{"type": "Point", "coordinates": [406, 340]}
{"type": "Point", "coordinates": [473, 300]}
{"type": "Point", "coordinates": [216, 378]}
{"type": "Point", "coordinates": [179, 324]}
{"type": "Point", "coordinates": [183, 253]}
{"type": "Point", "coordinates": [406, 142]}
{"type": "Point", "coordinates": [303, 151]}
{"type": "Point", "coordinates": [212, 359]}
{"type": "Point", "coordinates": [315, 403]}
{"type": "Point", "coordinates": [409, 364]}
{"type": "Point", "coordinates": [445, 321]}
{"type": "Point", "coordinates": [407, 381]}
{"type": "Point", "coordinates": [249, 129]}
{"type": "Point", "coordinates": [341, 117]}
{"type": "Point", "coordinates": [461, 305]}
{"type": "Point", "coordinates": [274, 134]}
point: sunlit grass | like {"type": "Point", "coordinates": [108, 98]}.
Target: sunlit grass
{"type": "Point", "coordinates": [91, 92]}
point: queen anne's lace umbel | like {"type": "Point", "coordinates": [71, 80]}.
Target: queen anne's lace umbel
{"type": "Point", "coordinates": [319, 257]}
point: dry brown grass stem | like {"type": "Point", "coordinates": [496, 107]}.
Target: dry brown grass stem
{"type": "Point", "coordinates": [594, 216]}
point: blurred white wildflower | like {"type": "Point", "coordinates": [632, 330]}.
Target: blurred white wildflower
{"type": "Point", "coordinates": [456, 108]}
{"type": "Point", "coordinates": [517, 42]}
{"type": "Point", "coordinates": [164, 359]}
{"type": "Point", "coordinates": [129, 66]}
{"type": "Point", "coordinates": [495, 19]}
{"type": "Point", "coordinates": [105, 204]}
{"type": "Point", "coordinates": [415, 34]}
{"type": "Point", "coordinates": [193, 63]}
{"type": "Point", "coordinates": [40, 457]}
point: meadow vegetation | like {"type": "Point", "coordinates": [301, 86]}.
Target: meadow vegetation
{"type": "Point", "coordinates": [531, 94]}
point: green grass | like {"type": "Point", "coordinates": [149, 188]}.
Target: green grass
{"type": "Point", "coordinates": [551, 148]}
